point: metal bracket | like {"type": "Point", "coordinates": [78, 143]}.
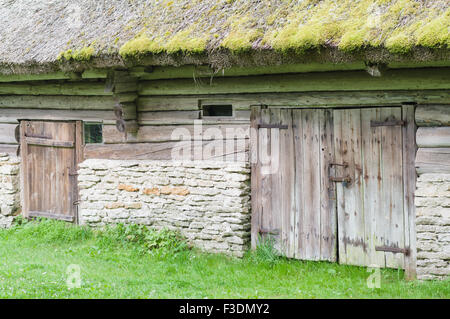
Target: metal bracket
{"type": "Point", "coordinates": [270, 232]}
{"type": "Point", "coordinates": [387, 123]}
{"type": "Point", "coordinates": [394, 250]}
{"type": "Point", "coordinates": [282, 127]}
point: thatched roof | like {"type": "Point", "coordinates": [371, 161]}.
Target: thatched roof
{"type": "Point", "coordinates": [52, 34]}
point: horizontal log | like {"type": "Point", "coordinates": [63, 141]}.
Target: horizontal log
{"type": "Point", "coordinates": [7, 133]}
{"type": "Point", "coordinates": [237, 151]}
{"type": "Point", "coordinates": [13, 115]}
{"type": "Point", "coordinates": [187, 117]}
{"type": "Point", "coordinates": [173, 133]}
{"type": "Point", "coordinates": [433, 160]}
{"type": "Point", "coordinates": [168, 116]}
{"type": "Point", "coordinates": [64, 102]}
{"type": "Point", "coordinates": [401, 79]}
{"type": "Point", "coordinates": [309, 99]}
{"type": "Point", "coordinates": [45, 88]}
{"type": "Point", "coordinates": [9, 149]}
{"type": "Point", "coordinates": [190, 71]}
{"type": "Point", "coordinates": [88, 74]}
{"type": "Point", "coordinates": [433, 137]}
{"type": "Point", "coordinates": [433, 115]}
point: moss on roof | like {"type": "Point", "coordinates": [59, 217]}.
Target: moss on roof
{"type": "Point", "coordinates": [349, 25]}
{"type": "Point", "coordinates": [179, 31]}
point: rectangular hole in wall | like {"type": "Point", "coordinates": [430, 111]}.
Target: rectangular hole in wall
{"type": "Point", "coordinates": [217, 110]}
{"type": "Point", "coordinates": [93, 133]}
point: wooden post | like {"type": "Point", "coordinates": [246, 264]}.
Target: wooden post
{"type": "Point", "coordinates": [255, 174]}
{"type": "Point", "coordinates": [409, 186]}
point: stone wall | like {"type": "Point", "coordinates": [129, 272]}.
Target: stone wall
{"type": "Point", "coordinates": [9, 189]}
{"type": "Point", "coordinates": [209, 202]}
{"type": "Point", "coordinates": [433, 226]}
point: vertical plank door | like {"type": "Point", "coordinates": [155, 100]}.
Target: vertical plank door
{"type": "Point", "coordinates": [294, 200]}
{"type": "Point", "coordinates": [370, 198]}
{"type": "Point", "coordinates": [49, 160]}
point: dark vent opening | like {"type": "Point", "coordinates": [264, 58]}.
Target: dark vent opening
{"type": "Point", "coordinates": [93, 133]}
{"type": "Point", "coordinates": [217, 110]}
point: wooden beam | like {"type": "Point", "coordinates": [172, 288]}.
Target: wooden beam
{"type": "Point", "coordinates": [68, 88]}
{"type": "Point", "coordinates": [433, 160]}
{"type": "Point", "coordinates": [7, 134]}
{"type": "Point", "coordinates": [433, 115]}
{"type": "Point", "coordinates": [166, 133]}
{"type": "Point", "coordinates": [13, 115]}
{"type": "Point", "coordinates": [64, 102]}
{"type": "Point", "coordinates": [409, 186]}
{"type": "Point", "coordinates": [401, 79]}
{"type": "Point", "coordinates": [8, 149]}
{"type": "Point", "coordinates": [433, 137]}
{"type": "Point", "coordinates": [159, 151]}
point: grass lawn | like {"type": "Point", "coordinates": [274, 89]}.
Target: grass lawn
{"type": "Point", "coordinates": [34, 258]}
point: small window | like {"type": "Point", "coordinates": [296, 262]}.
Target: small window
{"type": "Point", "coordinates": [93, 133]}
{"type": "Point", "coordinates": [217, 110]}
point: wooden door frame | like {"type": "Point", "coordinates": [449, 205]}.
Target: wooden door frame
{"type": "Point", "coordinates": [409, 181]}
{"type": "Point", "coordinates": [79, 157]}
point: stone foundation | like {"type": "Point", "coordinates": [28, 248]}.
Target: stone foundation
{"type": "Point", "coordinates": [433, 226]}
{"type": "Point", "coordinates": [9, 189]}
{"type": "Point", "coordinates": [208, 202]}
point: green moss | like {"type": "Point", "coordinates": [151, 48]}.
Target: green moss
{"type": "Point", "coordinates": [139, 46]}
{"type": "Point", "coordinates": [186, 41]}
{"type": "Point", "coordinates": [435, 33]}
{"type": "Point", "coordinates": [298, 26]}
{"type": "Point", "coordinates": [81, 55]}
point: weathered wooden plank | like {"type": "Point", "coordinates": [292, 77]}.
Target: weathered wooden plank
{"type": "Point", "coordinates": [173, 133]}
{"type": "Point", "coordinates": [433, 137]}
{"type": "Point", "coordinates": [255, 176]}
{"type": "Point", "coordinates": [286, 182]}
{"type": "Point", "coordinates": [169, 116]}
{"type": "Point", "coordinates": [64, 102]}
{"type": "Point", "coordinates": [45, 88]}
{"type": "Point", "coordinates": [410, 79]}
{"type": "Point", "coordinates": [311, 179]}
{"type": "Point", "coordinates": [409, 186]}
{"type": "Point", "coordinates": [392, 214]}
{"type": "Point", "coordinates": [286, 99]}
{"type": "Point", "coordinates": [433, 160]}
{"type": "Point", "coordinates": [299, 237]}
{"type": "Point", "coordinates": [157, 151]}
{"type": "Point", "coordinates": [433, 115]}
{"type": "Point", "coordinates": [350, 210]}
{"type": "Point", "coordinates": [328, 225]}
{"type": "Point", "coordinates": [7, 134]}
{"type": "Point", "coordinates": [372, 186]}
{"type": "Point", "coordinates": [48, 142]}
{"type": "Point", "coordinates": [13, 115]}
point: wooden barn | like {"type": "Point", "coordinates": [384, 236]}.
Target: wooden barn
{"type": "Point", "coordinates": [324, 125]}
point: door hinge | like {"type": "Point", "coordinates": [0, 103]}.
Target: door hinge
{"type": "Point", "coordinates": [387, 123]}
{"type": "Point", "coordinates": [267, 231]}
{"type": "Point", "coordinates": [394, 250]}
{"type": "Point", "coordinates": [282, 127]}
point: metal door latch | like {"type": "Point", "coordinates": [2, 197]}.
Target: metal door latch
{"type": "Point", "coordinates": [394, 250]}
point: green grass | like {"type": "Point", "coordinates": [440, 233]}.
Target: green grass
{"type": "Point", "coordinates": [132, 263]}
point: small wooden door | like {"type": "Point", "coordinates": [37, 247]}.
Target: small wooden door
{"type": "Point", "coordinates": [334, 184]}
{"type": "Point", "coordinates": [50, 152]}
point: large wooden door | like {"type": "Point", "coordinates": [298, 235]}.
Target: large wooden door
{"type": "Point", "coordinates": [292, 197]}
{"type": "Point", "coordinates": [50, 152]}
{"type": "Point", "coordinates": [370, 204]}
{"type": "Point", "coordinates": [331, 184]}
